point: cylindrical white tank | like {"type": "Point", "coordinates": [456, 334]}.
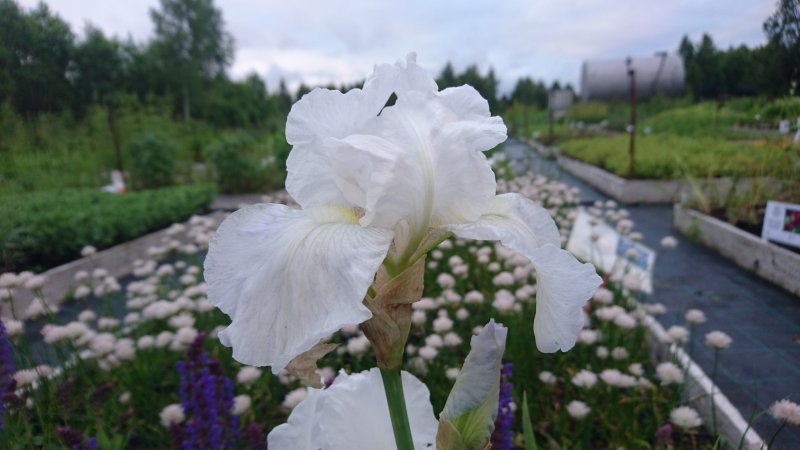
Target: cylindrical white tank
{"type": "Point", "coordinates": [608, 79]}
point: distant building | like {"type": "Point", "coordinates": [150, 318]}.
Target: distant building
{"type": "Point", "coordinates": [661, 74]}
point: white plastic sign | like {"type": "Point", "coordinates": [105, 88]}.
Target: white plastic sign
{"type": "Point", "coordinates": [782, 223]}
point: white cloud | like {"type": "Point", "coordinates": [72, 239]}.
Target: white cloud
{"type": "Point", "coordinates": [318, 41]}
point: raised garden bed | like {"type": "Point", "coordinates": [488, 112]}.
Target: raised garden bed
{"type": "Point", "coordinates": [767, 260]}
{"type": "Point", "coordinates": [644, 191]}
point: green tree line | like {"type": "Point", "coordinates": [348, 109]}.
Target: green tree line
{"type": "Point", "coordinates": [771, 70]}
{"type": "Point", "coordinates": [45, 67]}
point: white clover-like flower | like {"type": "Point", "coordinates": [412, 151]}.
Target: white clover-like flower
{"type": "Point", "coordinates": [615, 378]}
{"type": "Point", "coordinates": [669, 242]}
{"type": "Point", "coordinates": [603, 296]}
{"type": "Point", "coordinates": [241, 403]}
{"type": "Point", "coordinates": [678, 334]}
{"type": "Point", "coordinates": [584, 379]}
{"type": "Point", "coordinates": [578, 410]}
{"type": "Point", "coordinates": [547, 377]}
{"type": "Point", "coordinates": [378, 185]}
{"type": "Point", "coordinates": [695, 317]}
{"type": "Point", "coordinates": [718, 340]}
{"type": "Point", "coordinates": [786, 411]}
{"type": "Point", "coordinates": [669, 373]}
{"type": "Point", "coordinates": [685, 417]}
{"type": "Point", "coordinates": [588, 337]}
{"type": "Point", "coordinates": [172, 414]}
{"type": "Point", "coordinates": [248, 375]}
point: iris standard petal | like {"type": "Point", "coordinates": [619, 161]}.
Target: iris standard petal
{"type": "Point", "coordinates": [405, 76]}
{"type": "Point", "coordinates": [288, 278]}
{"type": "Point", "coordinates": [563, 285]}
{"type": "Point", "coordinates": [438, 175]}
{"type": "Point", "coordinates": [322, 117]}
{"type": "Point", "coordinates": [326, 113]}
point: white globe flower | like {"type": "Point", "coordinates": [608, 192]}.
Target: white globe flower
{"type": "Point", "coordinates": [718, 340]}
{"type": "Point", "coordinates": [685, 417]}
{"type": "Point", "coordinates": [578, 410]}
{"type": "Point", "coordinates": [172, 414]}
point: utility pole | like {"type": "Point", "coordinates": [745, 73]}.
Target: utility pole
{"type": "Point", "coordinates": [632, 126]}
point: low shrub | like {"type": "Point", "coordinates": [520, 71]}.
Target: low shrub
{"type": "Point", "coordinates": [152, 161]}
{"type": "Point", "coordinates": [243, 164]}
{"type": "Point", "coordinates": [42, 230]}
{"type": "Point", "coordinates": [785, 108]}
{"type": "Point", "coordinates": [588, 112]}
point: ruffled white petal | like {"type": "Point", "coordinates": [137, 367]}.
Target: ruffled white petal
{"type": "Point", "coordinates": [516, 221]}
{"type": "Point", "coordinates": [325, 113]}
{"type": "Point", "coordinates": [479, 380]}
{"type": "Point", "coordinates": [465, 101]}
{"type": "Point", "coordinates": [353, 414]}
{"type": "Point", "coordinates": [563, 284]}
{"type": "Point", "coordinates": [320, 168]}
{"type": "Point", "coordinates": [405, 76]}
{"type": "Point", "coordinates": [288, 278]}
{"type": "Point", "coordinates": [310, 176]}
{"type": "Point", "coordinates": [436, 173]}
{"type": "Point", "coordinates": [301, 430]}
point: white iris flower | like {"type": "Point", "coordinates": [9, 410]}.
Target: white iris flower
{"type": "Point", "coordinates": [378, 185]}
{"type": "Point", "coordinates": [353, 413]}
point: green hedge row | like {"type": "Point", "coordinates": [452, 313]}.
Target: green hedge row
{"type": "Point", "coordinates": [42, 230]}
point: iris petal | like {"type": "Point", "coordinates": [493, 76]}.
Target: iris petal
{"type": "Point", "coordinates": [353, 414]}
{"type": "Point", "coordinates": [563, 284]}
{"type": "Point", "coordinates": [288, 278]}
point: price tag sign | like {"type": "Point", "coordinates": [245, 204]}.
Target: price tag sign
{"type": "Point", "coordinates": [782, 223]}
{"type": "Point", "coordinates": [595, 241]}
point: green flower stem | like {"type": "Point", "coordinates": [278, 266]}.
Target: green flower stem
{"type": "Point", "coordinates": [713, 386]}
{"type": "Point", "coordinates": [393, 386]}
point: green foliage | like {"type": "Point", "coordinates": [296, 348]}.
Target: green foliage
{"type": "Point", "coordinates": [244, 165]}
{"type": "Point", "coordinates": [152, 161]}
{"type": "Point", "coordinates": [42, 230]}
{"type": "Point", "coordinates": [666, 156]}
{"type": "Point", "coordinates": [192, 45]}
{"type": "Point", "coordinates": [785, 108]}
{"type": "Point", "coordinates": [588, 112]}
{"type": "Point", "coordinates": [702, 119]}
{"type": "Point", "coordinates": [527, 428]}
{"type": "Point", "coordinates": [35, 50]}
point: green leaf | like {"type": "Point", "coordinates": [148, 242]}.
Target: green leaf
{"type": "Point", "coordinates": [527, 428]}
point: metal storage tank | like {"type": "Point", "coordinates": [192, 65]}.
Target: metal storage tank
{"type": "Point", "coordinates": [608, 79]}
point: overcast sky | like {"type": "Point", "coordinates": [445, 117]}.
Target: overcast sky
{"type": "Point", "coordinates": [320, 41]}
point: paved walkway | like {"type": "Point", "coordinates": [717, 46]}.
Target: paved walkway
{"type": "Point", "coordinates": [763, 363]}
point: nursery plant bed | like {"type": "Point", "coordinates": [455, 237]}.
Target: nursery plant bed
{"type": "Point", "coordinates": [645, 191]}
{"type": "Point", "coordinates": [767, 260]}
